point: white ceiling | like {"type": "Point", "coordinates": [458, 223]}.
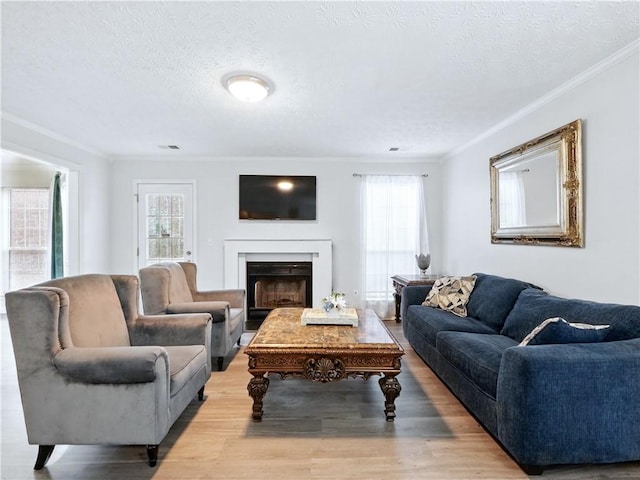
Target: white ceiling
{"type": "Point", "coordinates": [349, 78]}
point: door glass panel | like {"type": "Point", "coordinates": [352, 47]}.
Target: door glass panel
{"type": "Point", "coordinates": [165, 221]}
{"type": "Point", "coordinates": [165, 213]}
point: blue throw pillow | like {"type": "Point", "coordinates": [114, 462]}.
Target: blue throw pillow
{"type": "Point", "coordinates": [558, 330]}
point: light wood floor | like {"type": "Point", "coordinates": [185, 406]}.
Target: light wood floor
{"type": "Point", "coordinates": [309, 431]}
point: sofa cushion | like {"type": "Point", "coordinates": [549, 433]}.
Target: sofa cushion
{"type": "Point", "coordinates": [493, 298]}
{"type": "Point", "coordinates": [451, 294]}
{"type": "Point", "coordinates": [430, 321]}
{"type": "Point", "coordinates": [185, 361]}
{"type": "Point", "coordinates": [476, 356]}
{"type": "Point", "coordinates": [558, 330]}
{"type": "Point", "coordinates": [535, 306]}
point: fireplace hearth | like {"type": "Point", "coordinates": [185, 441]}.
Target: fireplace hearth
{"type": "Point", "coordinates": [277, 284]}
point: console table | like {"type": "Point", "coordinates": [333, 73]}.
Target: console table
{"type": "Point", "coordinates": [401, 281]}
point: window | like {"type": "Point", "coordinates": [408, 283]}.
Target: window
{"type": "Point", "coordinates": [28, 232]}
{"type": "Point", "coordinates": [394, 230]}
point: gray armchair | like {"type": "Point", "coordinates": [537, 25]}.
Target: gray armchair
{"type": "Point", "coordinates": [91, 370]}
{"type": "Point", "coordinates": [169, 288]}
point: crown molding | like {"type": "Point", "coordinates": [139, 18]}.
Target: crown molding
{"type": "Point", "coordinates": [622, 54]}
{"type": "Point", "coordinates": [220, 158]}
{"type": "Point", "coordinates": [50, 134]}
{"type": "Point", "coordinates": [38, 156]}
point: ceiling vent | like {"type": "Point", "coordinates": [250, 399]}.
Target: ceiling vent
{"type": "Point", "coordinates": [169, 147]}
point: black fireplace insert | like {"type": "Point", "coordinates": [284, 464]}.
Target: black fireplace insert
{"type": "Point", "coordinates": [277, 284]}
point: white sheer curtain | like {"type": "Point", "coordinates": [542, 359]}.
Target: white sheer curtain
{"type": "Point", "coordinates": [512, 199]}
{"type": "Point", "coordinates": [394, 230]}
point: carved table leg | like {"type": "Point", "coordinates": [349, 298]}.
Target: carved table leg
{"type": "Point", "coordinates": [257, 389]}
{"type": "Point", "coordinates": [391, 389]}
{"type": "Point", "coordinates": [397, 296]}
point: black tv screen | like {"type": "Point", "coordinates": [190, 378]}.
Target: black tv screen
{"type": "Point", "coordinates": [277, 197]}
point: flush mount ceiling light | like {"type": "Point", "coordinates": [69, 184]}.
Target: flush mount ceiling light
{"type": "Point", "coordinates": [247, 88]}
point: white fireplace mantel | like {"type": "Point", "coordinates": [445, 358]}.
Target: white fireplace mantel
{"type": "Point", "coordinates": [238, 252]}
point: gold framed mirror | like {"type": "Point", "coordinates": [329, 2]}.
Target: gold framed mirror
{"type": "Point", "coordinates": [536, 190]}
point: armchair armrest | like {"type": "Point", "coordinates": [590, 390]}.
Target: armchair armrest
{"type": "Point", "coordinates": [187, 329]}
{"type": "Point", "coordinates": [111, 364]}
{"type": "Point", "coordinates": [235, 297]}
{"type": "Point", "coordinates": [571, 403]}
{"type": "Point", "coordinates": [219, 310]}
{"type": "Point", "coordinates": [413, 295]}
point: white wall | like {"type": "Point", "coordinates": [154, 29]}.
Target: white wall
{"type": "Point", "coordinates": [217, 209]}
{"type": "Point", "coordinates": [607, 269]}
{"type": "Point", "coordinates": [89, 200]}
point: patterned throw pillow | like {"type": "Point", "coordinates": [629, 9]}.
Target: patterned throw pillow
{"type": "Point", "coordinates": [451, 294]}
{"type": "Point", "coordinates": [558, 330]}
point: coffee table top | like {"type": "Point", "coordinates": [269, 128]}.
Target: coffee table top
{"type": "Point", "coordinates": [283, 329]}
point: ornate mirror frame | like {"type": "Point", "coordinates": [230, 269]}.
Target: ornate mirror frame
{"type": "Point", "coordinates": [536, 191]}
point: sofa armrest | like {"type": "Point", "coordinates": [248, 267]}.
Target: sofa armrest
{"type": "Point", "coordinates": [571, 403]}
{"type": "Point", "coordinates": [235, 297]}
{"type": "Point", "coordinates": [111, 365]}
{"type": "Point", "coordinates": [187, 329]}
{"type": "Point", "coordinates": [413, 295]}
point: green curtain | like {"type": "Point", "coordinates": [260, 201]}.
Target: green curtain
{"type": "Point", "coordinates": [57, 264]}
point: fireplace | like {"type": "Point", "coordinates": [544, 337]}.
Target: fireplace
{"type": "Point", "coordinates": [237, 253]}
{"type": "Point", "coordinates": [277, 284]}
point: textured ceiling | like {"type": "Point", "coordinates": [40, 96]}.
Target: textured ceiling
{"type": "Point", "coordinates": [349, 78]}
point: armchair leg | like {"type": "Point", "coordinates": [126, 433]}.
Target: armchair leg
{"type": "Point", "coordinates": [44, 453]}
{"type": "Point", "coordinates": [152, 454]}
{"type": "Point", "coordinates": [220, 363]}
{"type": "Point", "coordinates": [201, 394]}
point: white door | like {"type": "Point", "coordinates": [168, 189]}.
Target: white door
{"type": "Point", "coordinates": [165, 222]}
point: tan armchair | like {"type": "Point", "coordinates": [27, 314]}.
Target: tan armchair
{"type": "Point", "coordinates": [169, 288]}
{"type": "Point", "coordinates": [91, 370]}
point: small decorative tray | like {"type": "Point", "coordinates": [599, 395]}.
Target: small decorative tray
{"type": "Point", "coordinates": [317, 316]}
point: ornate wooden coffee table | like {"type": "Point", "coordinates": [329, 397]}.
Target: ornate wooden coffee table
{"type": "Point", "coordinates": [323, 353]}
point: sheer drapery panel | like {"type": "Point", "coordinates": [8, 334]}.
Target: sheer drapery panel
{"type": "Point", "coordinates": [394, 230]}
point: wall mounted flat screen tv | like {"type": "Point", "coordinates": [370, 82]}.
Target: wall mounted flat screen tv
{"type": "Point", "coordinates": [277, 197]}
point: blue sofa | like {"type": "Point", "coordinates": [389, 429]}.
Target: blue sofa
{"type": "Point", "coordinates": [546, 404]}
